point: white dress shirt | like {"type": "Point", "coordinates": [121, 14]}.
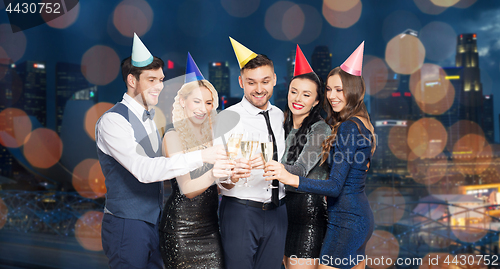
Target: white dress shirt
{"type": "Point", "coordinates": [252, 121]}
{"type": "Point", "coordinates": [115, 137]}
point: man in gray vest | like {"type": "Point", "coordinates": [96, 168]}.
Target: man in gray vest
{"type": "Point", "coordinates": [129, 150]}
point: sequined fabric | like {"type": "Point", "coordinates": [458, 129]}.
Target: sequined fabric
{"type": "Point", "coordinates": [350, 218]}
{"type": "Point", "coordinates": [306, 224]}
{"type": "Point", "coordinates": [306, 212]}
{"type": "Point", "coordinates": [189, 229]}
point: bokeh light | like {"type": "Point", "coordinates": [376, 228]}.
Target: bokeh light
{"type": "Point", "coordinates": [437, 260]}
{"type": "Point", "coordinates": [277, 18]}
{"type": "Point", "coordinates": [133, 16]}
{"type": "Point", "coordinates": [340, 5]}
{"type": "Point", "coordinates": [464, 3]}
{"type": "Point", "coordinates": [428, 171]}
{"type": "Point", "coordinates": [427, 137]}
{"type": "Point", "coordinates": [382, 245]}
{"type": "Point", "coordinates": [439, 39]}
{"type": "Point", "coordinates": [14, 44]}
{"type": "Point", "coordinates": [399, 21]}
{"type": "Point", "coordinates": [83, 174]}
{"type": "Point", "coordinates": [88, 230]}
{"type": "Point", "coordinates": [442, 105]}
{"type": "Point", "coordinates": [293, 22]}
{"type": "Point", "coordinates": [43, 148]}
{"type": "Point", "coordinates": [313, 25]}
{"type": "Point", "coordinates": [240, 8]}
{"type": "Point", "coordinates": [405, 54]}
{"type": "Point", "coordinates": [467, 150]}
{"type": "Point", "coordinates": [97, 180]}
{"type": "Point", "coordinates": [93, 114]}
{"type": "Point", "coordinates": [100, 65]}
{"type": "Point", "coordinates": [196, 18]}
{"type": "Point", "coordinates": [342, 19]}
{"type": "Point", "coordinates": [388, 205]}
{"type": "Point", "coordinates": [4, 59]}
{"type": "Point", "coordinates": [3, 213]}
{"type": "Point", "coordinates": [15, 125]}
{"type": "Point", "coordinates": [461, 128]}
{"type": "Point", "coordinates": [469, 223]}
{"type": "Point", "coordinates": [427, 7]}
{"type": "Point", "coordinates": [375, 74]}
{"type": "Point", "coordinates": [444, 3]}
{"type": "Point", "coordinates": [63, 21]}
{"type": "Point", "coordinates": [397, 142]}
{"type": "Point", "coordinates": [429, 85]}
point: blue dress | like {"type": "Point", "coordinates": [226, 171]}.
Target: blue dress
{"type": "Point", "coordinates": [350, 218]}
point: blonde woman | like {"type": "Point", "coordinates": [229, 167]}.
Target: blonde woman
{"type": "Point", "coordinates": [189, 229]}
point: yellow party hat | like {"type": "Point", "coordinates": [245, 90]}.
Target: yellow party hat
{"type": "Point", "coordinates": [243, 54]}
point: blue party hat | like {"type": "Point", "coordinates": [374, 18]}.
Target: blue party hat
{"type": "Point", "coordinates": [193, 73]}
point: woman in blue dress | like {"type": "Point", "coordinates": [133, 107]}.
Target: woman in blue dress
{"type": "Point", "coordinates": [348, 152]}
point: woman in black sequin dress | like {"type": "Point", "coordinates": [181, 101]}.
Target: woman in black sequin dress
{"type": "Point", "coordinates": [189, 229]}
{"type": "Point", "coordinates": [305, 131]}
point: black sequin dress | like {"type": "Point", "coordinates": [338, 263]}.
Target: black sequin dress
{"type": "Point", "coordinates": [307, 215]}
{"type": "Point", "coordinates": [189, 229]}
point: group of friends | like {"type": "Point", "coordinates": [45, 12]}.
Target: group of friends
{"type": "Point", "coordinates": [305, 208]}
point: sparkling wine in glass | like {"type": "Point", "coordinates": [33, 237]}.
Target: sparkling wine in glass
{"type": "Point", "coordinates": [233, 146]}
{"type": "Point", "coordinates": [248, 146]}
{"type": "Point", "coordinates": [266, 148]}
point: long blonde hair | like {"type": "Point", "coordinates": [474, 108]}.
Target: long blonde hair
{"type": "Point", "coordinates": [181, 121]}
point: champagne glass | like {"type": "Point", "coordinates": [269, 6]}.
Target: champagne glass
{"type": "Point", "coordinates": [249, 144]}
{"type": "Point", "coordinates": [266, 147]}
{"type": "Point", "coordinates": [233, 146]}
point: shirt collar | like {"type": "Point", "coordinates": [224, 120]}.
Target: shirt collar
{"type": "Point", "coordinates": [251, 109]}
{"type": "Point", "coordinates": [133, 105]}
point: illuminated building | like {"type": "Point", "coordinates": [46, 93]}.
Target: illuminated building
{"type": "Point", "coordinates": [467, 57]}
{"type": "Point", "coordinates": [218, 75]}
{"type": "Point", "coordinates": [69, 80]}
{"type": "Point", "coordinates": [34, 98]}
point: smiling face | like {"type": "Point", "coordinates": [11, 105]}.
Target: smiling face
{"type": "Point", "coordinates": [258, 85]}
{"type": "Point", "coordinates": [302, 97]}
{"type": "Point", "coordinates": [198, 105]}
{"type": "Point", "coordinates": [147, 89]}
{"type": "Point", "coordinates": [335, 93]}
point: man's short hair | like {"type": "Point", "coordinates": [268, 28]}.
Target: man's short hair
{"type": "Point", "coordinates": [260, 60]}
{"type": "Point", "coordinates": [128, 68]}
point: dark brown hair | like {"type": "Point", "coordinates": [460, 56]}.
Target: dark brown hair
{"type": "Point", "coordinates": [128, 68]}
{"type": "Point", "coordinates": [260, 60]}
{"type": "Point", "coordinates": [354, 93]}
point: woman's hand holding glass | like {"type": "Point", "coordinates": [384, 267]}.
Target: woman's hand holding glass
{"type": "Point", "coordinates": [222, 166]}
{"type": "Point", "coordinates": [275, 170]}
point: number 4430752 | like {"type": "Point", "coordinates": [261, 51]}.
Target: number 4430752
{"type": "Point", "coordinates": [472, 259]}
{"type": "Point", "coordinates": [34, 8]}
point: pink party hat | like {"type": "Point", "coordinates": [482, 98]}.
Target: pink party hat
{"type": "Point", "coordinates": [354, 64]}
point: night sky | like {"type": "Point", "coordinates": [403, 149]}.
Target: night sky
{"type": "Point", "coordinates": [203, 27]}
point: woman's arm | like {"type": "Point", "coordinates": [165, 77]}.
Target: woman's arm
{"type": "Point", "coordinates": [344, 150]}
{"type": "Point", "coordinates": [189, 187]}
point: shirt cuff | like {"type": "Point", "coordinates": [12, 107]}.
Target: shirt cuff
{"type": "Point", "coordinates": [194, 159]}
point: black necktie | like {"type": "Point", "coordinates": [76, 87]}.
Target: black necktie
{"type": "Point", "coordinates": [275, 191]}
{"type": "Point", "coordinates": [148, 114]}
